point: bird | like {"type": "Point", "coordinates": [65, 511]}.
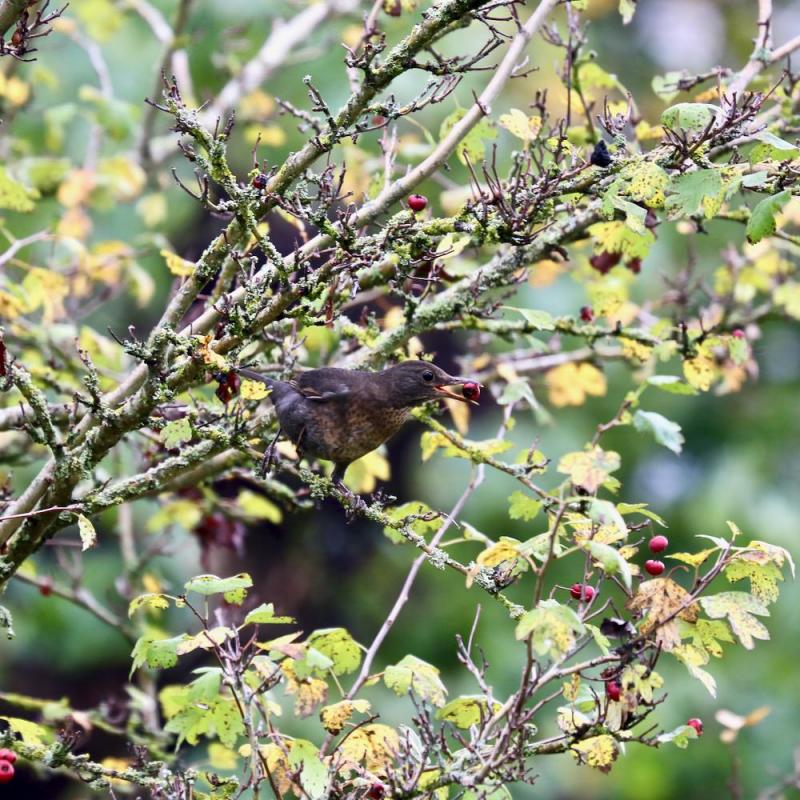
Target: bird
{"type": "Point", "coordinates": [342, 414]}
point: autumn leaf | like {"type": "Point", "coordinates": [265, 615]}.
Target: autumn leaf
{"type": "Point", "coordinates": [662, 599]}
{"type": "Point", "coordinates": [739, 608]}
{"type": "Point", "coordinates": [570, 384]}
{"type": "Point", "coordinates": [591, 468]}
{"type": "Point", "coordinates": [599, 752]}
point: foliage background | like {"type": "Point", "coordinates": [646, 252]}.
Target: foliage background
{"type": "Point", "coordinates": [741, 460]}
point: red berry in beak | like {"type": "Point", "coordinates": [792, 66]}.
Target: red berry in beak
{"type": "Point", "coordinates": [697, 724]}
{"type": "Point", "coordinates": [417, 202]}
{"type": "Point", "coordinates": [654, 567]}
{"type": "Point", "coordinates": [658, 543]}
{"type": "Point", "coordinates": [6, 771]}
{"type": "Point", "coordinates": [7, 755]}
{"type": "Point", "coordinates": [471, 390]}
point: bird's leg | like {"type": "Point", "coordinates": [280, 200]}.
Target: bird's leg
{"type": "Point", "coordinates": [356, 502]}
{"type": "Point", "coordinates": [269, 455]}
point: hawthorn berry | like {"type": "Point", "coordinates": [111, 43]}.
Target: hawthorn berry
{"type": "Point", "coordinates": [471, 390]}
{"type": "Point", "coordinates": [6, 771]}
{"type": "Point", "coordinates": [587, 315]}
{"type": "Point", "coordinates": [603, 262]}
{"type": "Point", "coordinates": [417, 202]}
{"type": "Point", "coordinates": [259, 181]}
{"type": "Point", "coordinates": [697, 724]}
{"type": "Point", "coordinates": [738, 333]}
{"type": "Point", "coordinates": [658, 543]}
{"type": "Point", "coordinates": [634, 265]}
{"type": "Point", "coordinates": [7, 755]}
{"type": "Point", "coordinates": [582, 591]}
{"type": "Point", "coordinates": [613, 690]}
{"type": "Point", "coordinates": [376, 792]}
{"type": "Point", "coordinates": [45, 590]}
{"type": "Point", "coordinates": [654, 567]}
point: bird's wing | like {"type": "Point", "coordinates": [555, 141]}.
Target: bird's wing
{"type": "Point", "coordinates": [327, 383]}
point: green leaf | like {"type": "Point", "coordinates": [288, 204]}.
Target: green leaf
{"type": "Point", "coordinates": [664, 431]}
{"type": "Point", "coordinates": [609, 559]}
{"type": "Point", "coordinates": [689, 116]}
{"type": "Point", "coordinates": [87, 532]}
{"type": "Point", "coordinates": [175, 433]}
{"type": "Point", "coordinates": [671, 384]}
{"type": "Point", "coordinates": [738, 608]}
{"type": "Point", "coordinates": [552, 628]}
{"type": "Point", "coordinates": [14, 196]}
{"type": "Point", "coordinates": [256, 505]}
{"type": "Point", "coordinates": [233, 589]}
{"type": "Point", "coordinates": [641, 508]}
{"type": "Point", "coordinates": [156, 653]}
{"type": "Point", "coordinates": [150, 600]}
{"type": "Point", "coordinates": [679, 737]}
{"type": "Point", "coordinates": [31, 733]}
{"type": "Point", "coordinates": [265, 615]}
{"type": "Point", "coordinates": [523, 507]}
{"type": "Point", "coordinates": [339, 646]}
{"type": "Point", "coordinates": [537, 319]}
{"type": "Point", "coordinates": [697, 192]}
{"type": "Point", "coordinates": [304, 756]}
{"type": "Point", "coordinates": [604, 512]}
{"type": "Point", "coordinates": [471, 148]}
{"type": "Point", "coordinates": [627, 8]}
{"type": "Point", "coordinates": [762, 218]}
{"type": "Point", "coordinates": [667, 86]}
{"type": "Point", "coordinates": [414, 674]}
{"type": "Point", "coordinates": [465, 711]}
{"type": "Point", "coordinates": [772, 148]}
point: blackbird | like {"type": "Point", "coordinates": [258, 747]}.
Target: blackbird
{"type": "Point", "coordinates": [342, 414]}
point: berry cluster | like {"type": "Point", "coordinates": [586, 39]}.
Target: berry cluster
{"type": "Point", "coordinates": [657, 545]}
{"type": "Point", "coordinates": [7, 759]}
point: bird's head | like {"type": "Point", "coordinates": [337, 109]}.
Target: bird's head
{"type": "Point", "coordinates": [413, 382]}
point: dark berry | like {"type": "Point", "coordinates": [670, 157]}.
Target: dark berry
{"type": "Point", "coordinates": [259, 181]}
{"type": "Point", "coordinates": [417, 202]}
{"type": "Point", "coordinates": [600, 156]}
{"type": "Point", "coordinates": [582, 591]}
{"type": "Point", "coordinates": [376, 792]}
{"type": "Point", "coordinates": [471, 390]}
{"type": "Point", "coordinates": [6, 771]}
{"type": "Point", "coordinates": [739, 333]}
{"type": "Point", "coordinates": [603, 262]}
{"type": "Point", "coordinates": [7, 755]}
{"type": "Point", "coordinates": [45, 590]}
{"type": "Point", "coordinates": [697, 724]}
{"type": "Point", "coordinates": [658, 543]}
{"type": "Point", "coordinates": [654, 567]}
{"type": "Point", "coordinates": [613, 690]}
{"type": "Point", "coordinates": [587, 315]}
{"type": "Point", "coordinates": [634, 265]}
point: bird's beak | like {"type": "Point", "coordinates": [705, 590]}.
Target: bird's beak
{"type": "Point", "coordinates": [444, 389]}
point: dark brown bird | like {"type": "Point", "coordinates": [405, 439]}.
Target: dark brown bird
{"type": "Point", "coordinates": [343, 414]}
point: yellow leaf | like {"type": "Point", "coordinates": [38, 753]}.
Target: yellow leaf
{"type": "Point", "coordinates": [16, 91]}
{"type": "Point", "coordinates": [75, 223]}
{"type": "Point", "coordinates": [256, 105]}
{"type": "Point", "coordinates": [460, 413]}
{"type": "Point", "coordinates": [205, 640]}
{"type": "Point", "coordinates": [177, 265]}
{"type": "Point", "coordinates": [599, 752]}
{"type": "Point", "coordinates": [221, 757]}
{"type": "Point", "coordinates": [545, 272]}
{"type": "Point", "coordinates": [663, 599]}
{"type": "Point", "coordinates": [570, 384]}
{"type": "Point", "coordinates": [362, 476]}
{"type": "Point", "coordinates": [700, 372]}
{"type": "Point", "coordinates": [374, 745]}
{"type": "Point", "coordinates": [253, 390]}
{"type": "Point", "coordinates": [309, 692]}
{"type": "Point", "coordinates": [589, 468]}
{"type": "Point", "coordinates": [76, 188]}
{"type": "Point", "coordinates": [521, 125]}
{"type": "Point", "coordinates": [497, 553]}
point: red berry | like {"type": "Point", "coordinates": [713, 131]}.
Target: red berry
{"type": "Point", "coordinates": [634, 265]}
{"type": "Point", "coordinates": [587, 315]}
{"type": "Point", "coordinates": [376, 792]}
{"type": "Point", "coordinates": [471, 390]}
{"type": "Point", "coordinates": [739, 333]}
{"type": "Point", "coordinates": [417, 202]}
{"type": "Point", "coordinates": [654, 567]}
{"type": "Point", "coordinates": [45, 590]}
{"type": "Point", "coordinates": [697, 724]}
{"type": "Point", "coordinates": [259, 181]}
{"type": "Point", "coordinates": [6, 771]}
{"type": "Point", "coordinates": [658, 543]}
{"type": "Point", "coordinates": [603, 262]}
{"type": "Point", "coordinates": [7, 755]}
{"type": "Point", "coordinates": [613, 690]}
{"type": "Point", "coordinates": [582, 591]}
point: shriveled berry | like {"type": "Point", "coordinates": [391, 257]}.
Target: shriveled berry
{"type": "Point", "coordinates": [613, 690]}
{"type": "Point", "coordinates": [7, 755]}
{"type": "Point", "coordinates": [259, 181]}
{"type": "Point", "coordinates": [6, 771]}
{"type": "Point", "coordinates": [654, 567]}
{"type": "Point", "coordinates": [417, 202]}
{"type": "Point", "coordinates": [600, 156]}
{"type": "Point", "coordinates": [697, 724]}
{"type": "Point", "coordinates": [634, 265]}
{"type": "Point", "coordinates": [658, 543]}
{"type": "Point", "coordinates": [582, 591]}
{"type": "Point", "coordinates": [471, 390]}
{"type": "Point", "coordinates": [587, 315]}
{"type": "Point", "coordinates": [603, 262]}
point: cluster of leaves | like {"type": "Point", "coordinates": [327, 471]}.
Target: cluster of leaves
{"type": "Point", "coordinates": [552, 210]}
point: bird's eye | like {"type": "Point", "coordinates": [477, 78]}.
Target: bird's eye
{"type": "Point", "coordinates": [427, 376]}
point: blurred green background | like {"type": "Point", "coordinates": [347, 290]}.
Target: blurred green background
{"type": "Point", "coordinates": [741, 460]}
